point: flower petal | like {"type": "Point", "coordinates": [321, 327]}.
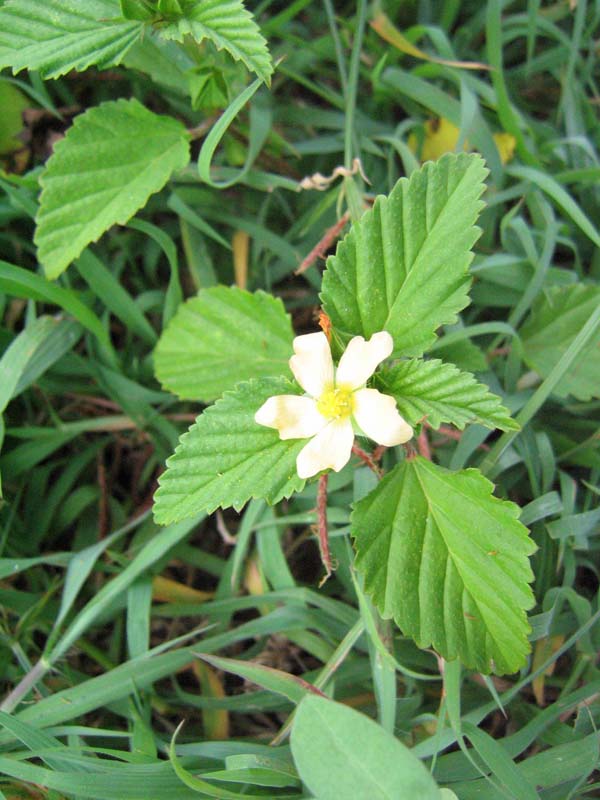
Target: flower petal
{"type": "Point", "coordinates": [312, 364]}
{"type": "Point", "coordinates": [379, 419]}
{"type": "Point", "coordinates": [329, 449]}
{"type": "Point", "coordinates": [293, 416]}
{"type": "Point", "coordinates": [360, 359]}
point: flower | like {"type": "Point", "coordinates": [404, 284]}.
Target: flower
{"type": "Point", "coordinates": [334, 400]}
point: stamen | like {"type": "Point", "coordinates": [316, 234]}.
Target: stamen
{"type": "Point", "coordinates": [336, 403]}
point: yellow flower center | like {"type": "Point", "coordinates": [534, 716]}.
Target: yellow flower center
{"type": "Point", "coordinates": [336, 403]}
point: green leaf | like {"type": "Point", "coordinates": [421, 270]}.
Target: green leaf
{"type": "Point", "coordinates": [556, 318]}
{"type": "Point", "coordinates": [164, 62]}
{"type": "Point", "coordinates": [255, 769]}
{"type": "Point", "coordinates": [111, 160]}
{"type": "Point", "coordinates": [494, 755]}
{"type": "Point", "coordinates": [23, 283]}
{"type": "Point", "coordinates": [223, 336]}
{"type": "Point", "coordinates": [442, 393]}
{"type": "Point", "coordinates": [107, 288]}
{"type": "Point", "coordinates": [274, 680]}
{"type": "Point", "coordinates": [548, 185]}
{"type": "Point", "coordinates": [229, 26]}
{"type": "Point", "coordinates": [197, 784]}
{"type": "Point", "coordinates": [169, 7]}
{"type": "Point", "coordinates": [136, 9]}
{"type": "Point", "coordinates": [403, 267]}
{"type": "Point", "coordinates": [12, 104]}
{"type": "Point", "coordinates": [362, 761]}
{"type": "Point", "coordinates": [448, 562]}
{"type": "Point", "coordinates": [464, 354]}
{"type": "Point", "coordinates": [98, 783]}
{"type": "Point", "coordinates": [22, 351]}
{"type": "Point", "coordinates": [56, 36]}
{"type": "Point", "coordinates": [61, 337]}
{"type": "Point", "coordinates": [226, 458]}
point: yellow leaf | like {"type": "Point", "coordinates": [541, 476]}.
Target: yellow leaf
{"type": "Point", "coordinates": [216, 720]}
{"type": "Point", "coordinates": [240, 244]}
{"type": "Point", "coordinates": [254, 582]}
{"type": "Point", "coordinates": [544, 648]}
{"type": "Point", "coordinates": [388, 31]}
{"type": "Point", "coordinates": [169, 591]}
{"type": "Point", "coordinates": [441, 136]}
{"type": "Point", "coordinates": [505, 142]}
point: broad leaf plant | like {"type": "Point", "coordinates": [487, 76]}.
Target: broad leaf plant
{"type": "Point", "coordinates": [436, 550]}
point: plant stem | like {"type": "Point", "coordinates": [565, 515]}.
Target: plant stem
{"type": "Point", "coordinates": [322, 246]}
{"type": "Point", "coordinates": [322, 526]}
{"type": "Point", "coordinates": [352, 86]}
{"type": "Point", "coordinates": [339, 53]}
{"type": "Point", "coordinates": [423, 445]}
{"type": "Point", "coordinates": [367, 459]}
{"type": "Point", "coordinates": [22, 689]}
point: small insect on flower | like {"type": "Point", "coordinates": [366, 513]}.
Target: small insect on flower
{"type": "Point", "coordinates": [336, 404]}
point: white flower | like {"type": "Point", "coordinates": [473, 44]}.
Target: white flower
{"type": "Point", "coordinates": [335, 399]}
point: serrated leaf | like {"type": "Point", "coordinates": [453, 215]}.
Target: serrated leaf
{"type": "Point", "coordinates": [136, 9]}
{"type": "Point", "coordinates": [223, 336]}
{"type": "Point", "coordinates": [111, 160]}
{"type": "Point", "coordinates": [229, 26]}
{"type": "Point", "coordinates": [226, 458]}
{"type": "Point", "coordinates": [442, 393]}
{"type": "Point", "coordinates": [556, 318]}
{"type": "Point", "coordinates": [364, 761]}
{"type": "Point", "coordinates": [448, 562]}
{"type": "Point", "coordinates": [56, 36]}
{"type": "Point", "coordinates": [403, 267]}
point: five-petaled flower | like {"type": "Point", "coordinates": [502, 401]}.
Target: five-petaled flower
{"type": "Point", "coordinates": [336, 403]}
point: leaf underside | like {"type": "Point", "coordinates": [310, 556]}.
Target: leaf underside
{"type": "Point", "coordinates": [220, 337]}
{"type": "Point", "coordinates": [403, 267]}
{"type": "Point", "coordinates": [111, 160]}
{"type": "Point", "coordinates": [229, 26]}
{"type": "Point", "coordinates": [56, 36]}
{"type": "Point", "coordinates": [441, 393]}
{"type": "Point", "coordinates": [556, 319]}
{"type": "Point", "coordinates": [448, 562]}
{"type": "Point", "coordinates": [226, 458]}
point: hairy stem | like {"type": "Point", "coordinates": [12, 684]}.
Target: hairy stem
{"type": "Point", "coordinates": [322, 531]}
{"type": "Point", "coordinates": [367, 459]}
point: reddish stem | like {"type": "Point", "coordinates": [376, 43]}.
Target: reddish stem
{"type": "Point", "coordinates": [377, 454]}
{"type": "Point", "coordinates": [322, 246]}
{"type": "Point", "coordinates": [500, 351]}
{"type": "Point", "coordinates": [367, 459]}
{"type": "Point", "coordinates": [423, 445]}
{"type": "Point", "coordinates": [322, 531]}
{"type": "Point", "coordinates": [103, 500]}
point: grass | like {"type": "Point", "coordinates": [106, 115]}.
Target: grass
{"type": "Point", "coordinates": [103, 613]}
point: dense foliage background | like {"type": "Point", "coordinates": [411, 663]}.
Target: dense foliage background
{"type": "Point", "coordinates": [103, 611]}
